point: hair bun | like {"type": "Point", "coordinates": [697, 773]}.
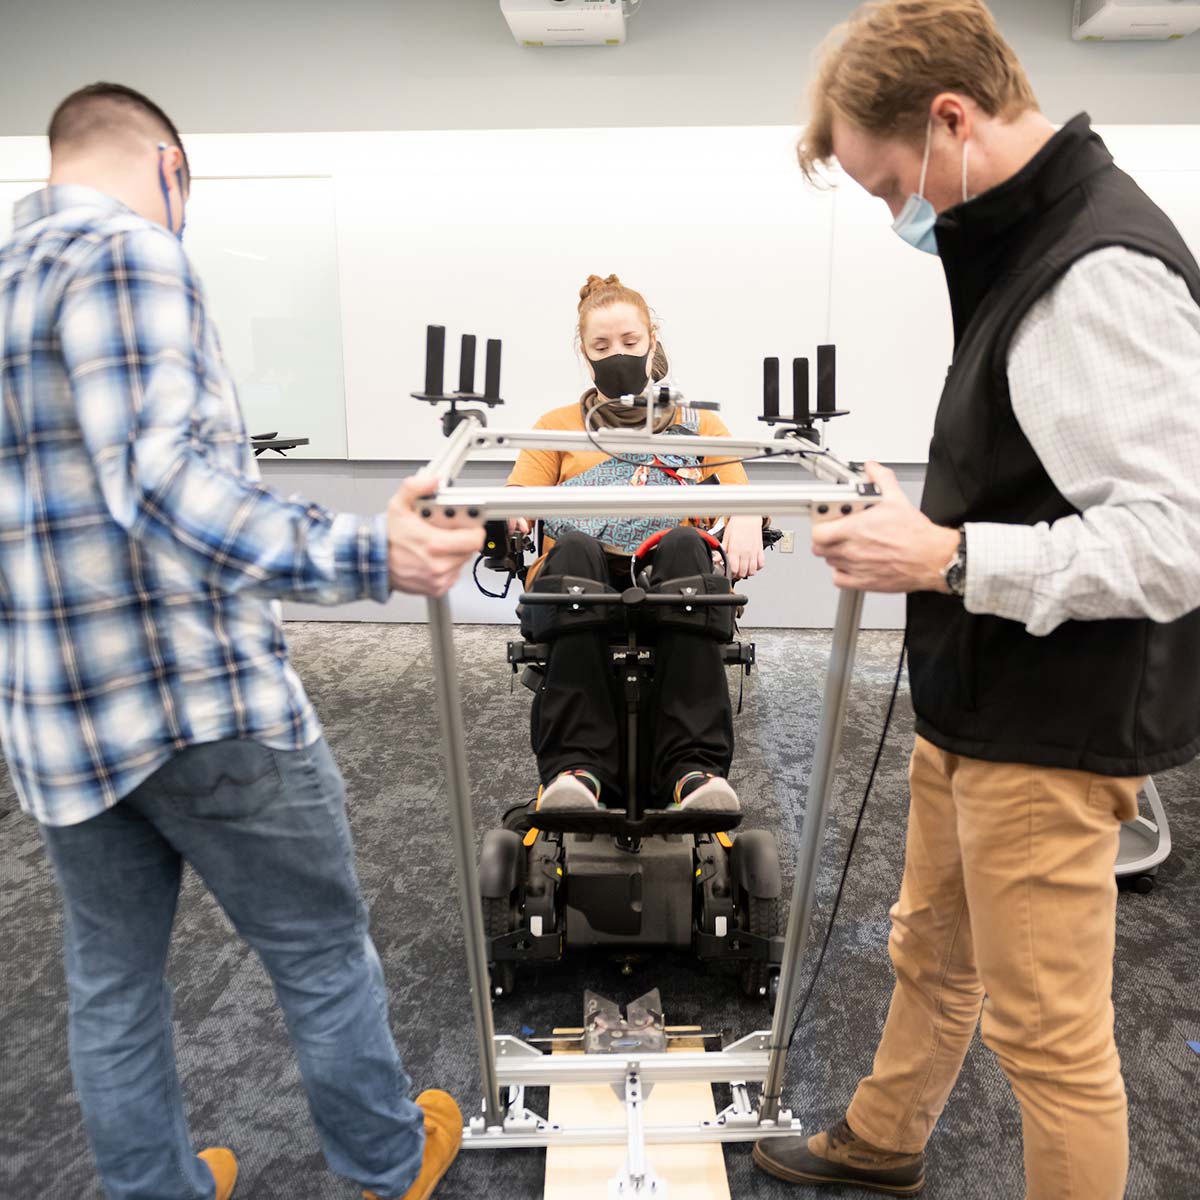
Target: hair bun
{"type": "Point", "coordinates": [595, 283]}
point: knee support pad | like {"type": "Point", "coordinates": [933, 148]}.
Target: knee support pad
{"type": "Point", "coordinates": [545, 622]}
{"type": "Point", "coordinates": [713, 622]}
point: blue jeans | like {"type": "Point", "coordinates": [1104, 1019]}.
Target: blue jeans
{"type": "Point", "coordinates": [266, 830]}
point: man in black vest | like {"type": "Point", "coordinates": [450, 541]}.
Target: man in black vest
{"type": "Point", "coordinates": [1053, 580]}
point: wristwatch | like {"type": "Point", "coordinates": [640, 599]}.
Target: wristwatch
{"type": "Point", "coordinates": [955, 571]}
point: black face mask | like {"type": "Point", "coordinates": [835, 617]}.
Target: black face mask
{"type": "Point", "coordinates": [621, 374]}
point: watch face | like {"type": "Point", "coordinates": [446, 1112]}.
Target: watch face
{"type": "Point", "coordinates": [956, 578]}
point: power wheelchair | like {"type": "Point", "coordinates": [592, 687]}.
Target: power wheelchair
{"type": "Point", "coordinates": [638, 878]}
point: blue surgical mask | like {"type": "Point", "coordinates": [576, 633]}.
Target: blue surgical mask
{"type": "Point", "coordinates": [166, 193]}
{"type": "Point", "coordinates": [917, 218]}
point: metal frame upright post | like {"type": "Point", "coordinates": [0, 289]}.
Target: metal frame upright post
{"type": "Point", "coordinates": [462, 833]}
{"type": "Point", "coordinates": [808, 859]}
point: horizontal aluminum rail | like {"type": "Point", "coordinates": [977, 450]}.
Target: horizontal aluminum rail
{"type": "Point", "coordinates": [637, 441]}
{"type": "Point", "coordinates": [751, 499]}
{"type": "Point", "coordinates": [549, 1136]}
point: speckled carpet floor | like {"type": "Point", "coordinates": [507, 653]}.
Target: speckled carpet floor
{"type": "Point", "coordinates": [373, 687]}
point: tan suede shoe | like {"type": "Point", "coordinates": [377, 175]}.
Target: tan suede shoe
{"type": "Point", "coordinates": [840, 1156]}
{"type": "Point", "coordinates": [443, 1137]}
{"type": "Point", "coordinates": [223, 1166]}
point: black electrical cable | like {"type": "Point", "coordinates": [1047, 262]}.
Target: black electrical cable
{"type": "Point", "coordinates": [493, 595]}
{"type": "Point", "coordinates": [862, 808]}
{"type": "Point", "coordinates": [708, 466]}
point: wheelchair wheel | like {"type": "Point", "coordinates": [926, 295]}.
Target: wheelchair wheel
{"type": "Point", "coordinates": [765, 918]}
{"type": "Point", "coordinates": [520, 818]}
{"type": "Point", "coordinates": [499, 919]}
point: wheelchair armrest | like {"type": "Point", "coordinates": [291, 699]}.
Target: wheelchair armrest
{"type": "Point", "coordinates": [654, 821]}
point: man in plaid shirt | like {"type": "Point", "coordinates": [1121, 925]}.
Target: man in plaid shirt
{"type": "Point", "coordinates": [149, 713]}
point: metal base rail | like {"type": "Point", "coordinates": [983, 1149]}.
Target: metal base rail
{"type": "Point", "coordinates": [507, 1065]}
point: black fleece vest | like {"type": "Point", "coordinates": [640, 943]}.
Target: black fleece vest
{"type": "Point", "coordinates": [1117, 697]}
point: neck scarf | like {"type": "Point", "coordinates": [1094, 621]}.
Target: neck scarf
{"type": "Point", "coordinates": [620, 416]}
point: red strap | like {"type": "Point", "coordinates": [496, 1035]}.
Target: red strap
{"type": "Point", "coordinates": [670, 472]}
{"type": "Point", "coordinates": [652, 541]}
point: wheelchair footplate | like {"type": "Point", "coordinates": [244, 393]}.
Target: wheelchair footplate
{"type": "Point", "coordinates": [615, 821]}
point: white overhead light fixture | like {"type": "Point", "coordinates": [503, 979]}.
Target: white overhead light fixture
{"type": "Point", "coordinates": [568, 22]}
{"type": "Point", "coordinates": [1134, 20]}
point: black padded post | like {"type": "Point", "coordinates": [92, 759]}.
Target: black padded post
{"type": "Point", "coordinates": [770, 388]}
{"type": "Point", "coordinates": [491, 386]}
{"type": "Point", "coordinates": [826, 379]}
{"type": "Point", "coordinates": [800, 410]}
{"type": "Point", "coordinates": [466, 365]}
{"type": "Point", "coordinates": [435, 358]}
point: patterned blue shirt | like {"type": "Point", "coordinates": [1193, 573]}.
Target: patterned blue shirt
{"type": "Point", "coordinates": [140, 554]}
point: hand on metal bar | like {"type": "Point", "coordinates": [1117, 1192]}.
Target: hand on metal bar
{"type": "Point", "coordinates": [889, 547]}
{"type": "Point", "coordinates": [426, 554]}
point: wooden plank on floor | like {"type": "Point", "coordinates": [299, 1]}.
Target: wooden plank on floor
{"type": "Point", "coordinates": [692, 1172]}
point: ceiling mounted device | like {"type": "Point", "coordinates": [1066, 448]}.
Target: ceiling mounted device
{"type": "Point", "coordinates": [568, 22]}
{"type": "Point", "coordinates": [1134, 20]}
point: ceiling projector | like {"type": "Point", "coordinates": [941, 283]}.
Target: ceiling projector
{"type": "Point", "coordinates": [1134, 20]}
{"type": "Point", "coordinates": [565, 22]}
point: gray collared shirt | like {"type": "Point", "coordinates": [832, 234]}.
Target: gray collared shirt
{"type": "Point", "coordinates": [1104, 375]}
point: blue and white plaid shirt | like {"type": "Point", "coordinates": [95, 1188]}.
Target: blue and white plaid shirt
{"type": "Point", "coordinates": [139, 552]}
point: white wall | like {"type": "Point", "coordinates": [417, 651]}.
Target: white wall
{"type": "Point", "coordinates": [492, 233]}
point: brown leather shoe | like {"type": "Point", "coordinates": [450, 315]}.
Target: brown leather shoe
{"type": "Point", "coordinates": [840, 1156]}
{"type": "Point", "coordinates": [443, 1137]}
{"type": "Point", "coordinates": [223, 1166]}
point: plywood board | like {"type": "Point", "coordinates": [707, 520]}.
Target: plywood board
{"type": "Point", "coordinates": [692, 1172]}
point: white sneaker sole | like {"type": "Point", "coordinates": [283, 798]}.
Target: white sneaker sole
{"type": "Point", "coordinates": [567, 794]}
{"type": "Point", "coordinates": [714, 796]}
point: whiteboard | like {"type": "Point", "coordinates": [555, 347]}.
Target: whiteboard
{"type": "Point", "coordinates": [266, 252]}
{"type": "Point", "coordinates": [493, 233]}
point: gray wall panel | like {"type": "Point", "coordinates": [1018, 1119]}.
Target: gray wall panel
{"type": "Point", "coordinates": [236, 66]}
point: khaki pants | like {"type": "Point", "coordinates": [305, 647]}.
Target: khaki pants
{"type": "Point", "coordinates": [1008, 906]}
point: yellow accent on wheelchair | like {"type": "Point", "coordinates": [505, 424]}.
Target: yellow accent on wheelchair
{"type": "Point", "coordinates": [725, 840]}
{"type": "Point", "coordinates": [531, 837]}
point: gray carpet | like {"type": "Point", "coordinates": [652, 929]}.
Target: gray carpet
{"type": "Point", "coordinates": [373, 687]}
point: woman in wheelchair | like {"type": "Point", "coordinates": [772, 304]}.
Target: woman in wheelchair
{"type": "Point", "coordinates": [577, 722]}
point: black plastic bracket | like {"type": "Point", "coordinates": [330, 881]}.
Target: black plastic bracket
{"type": "Point", "coordinates": [435, 363]}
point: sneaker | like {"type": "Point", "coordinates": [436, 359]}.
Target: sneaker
{"type": "Point", "coordinates": [840, 1156]}
{"type": "Point", "coordinates": [701, 791]}
{"type": "Point", "coordinates": [224, 1168]}
{"type": "Point", "coordinates": [443, 1137]}
{"type": "Point", "coordinates": [572, 791]}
